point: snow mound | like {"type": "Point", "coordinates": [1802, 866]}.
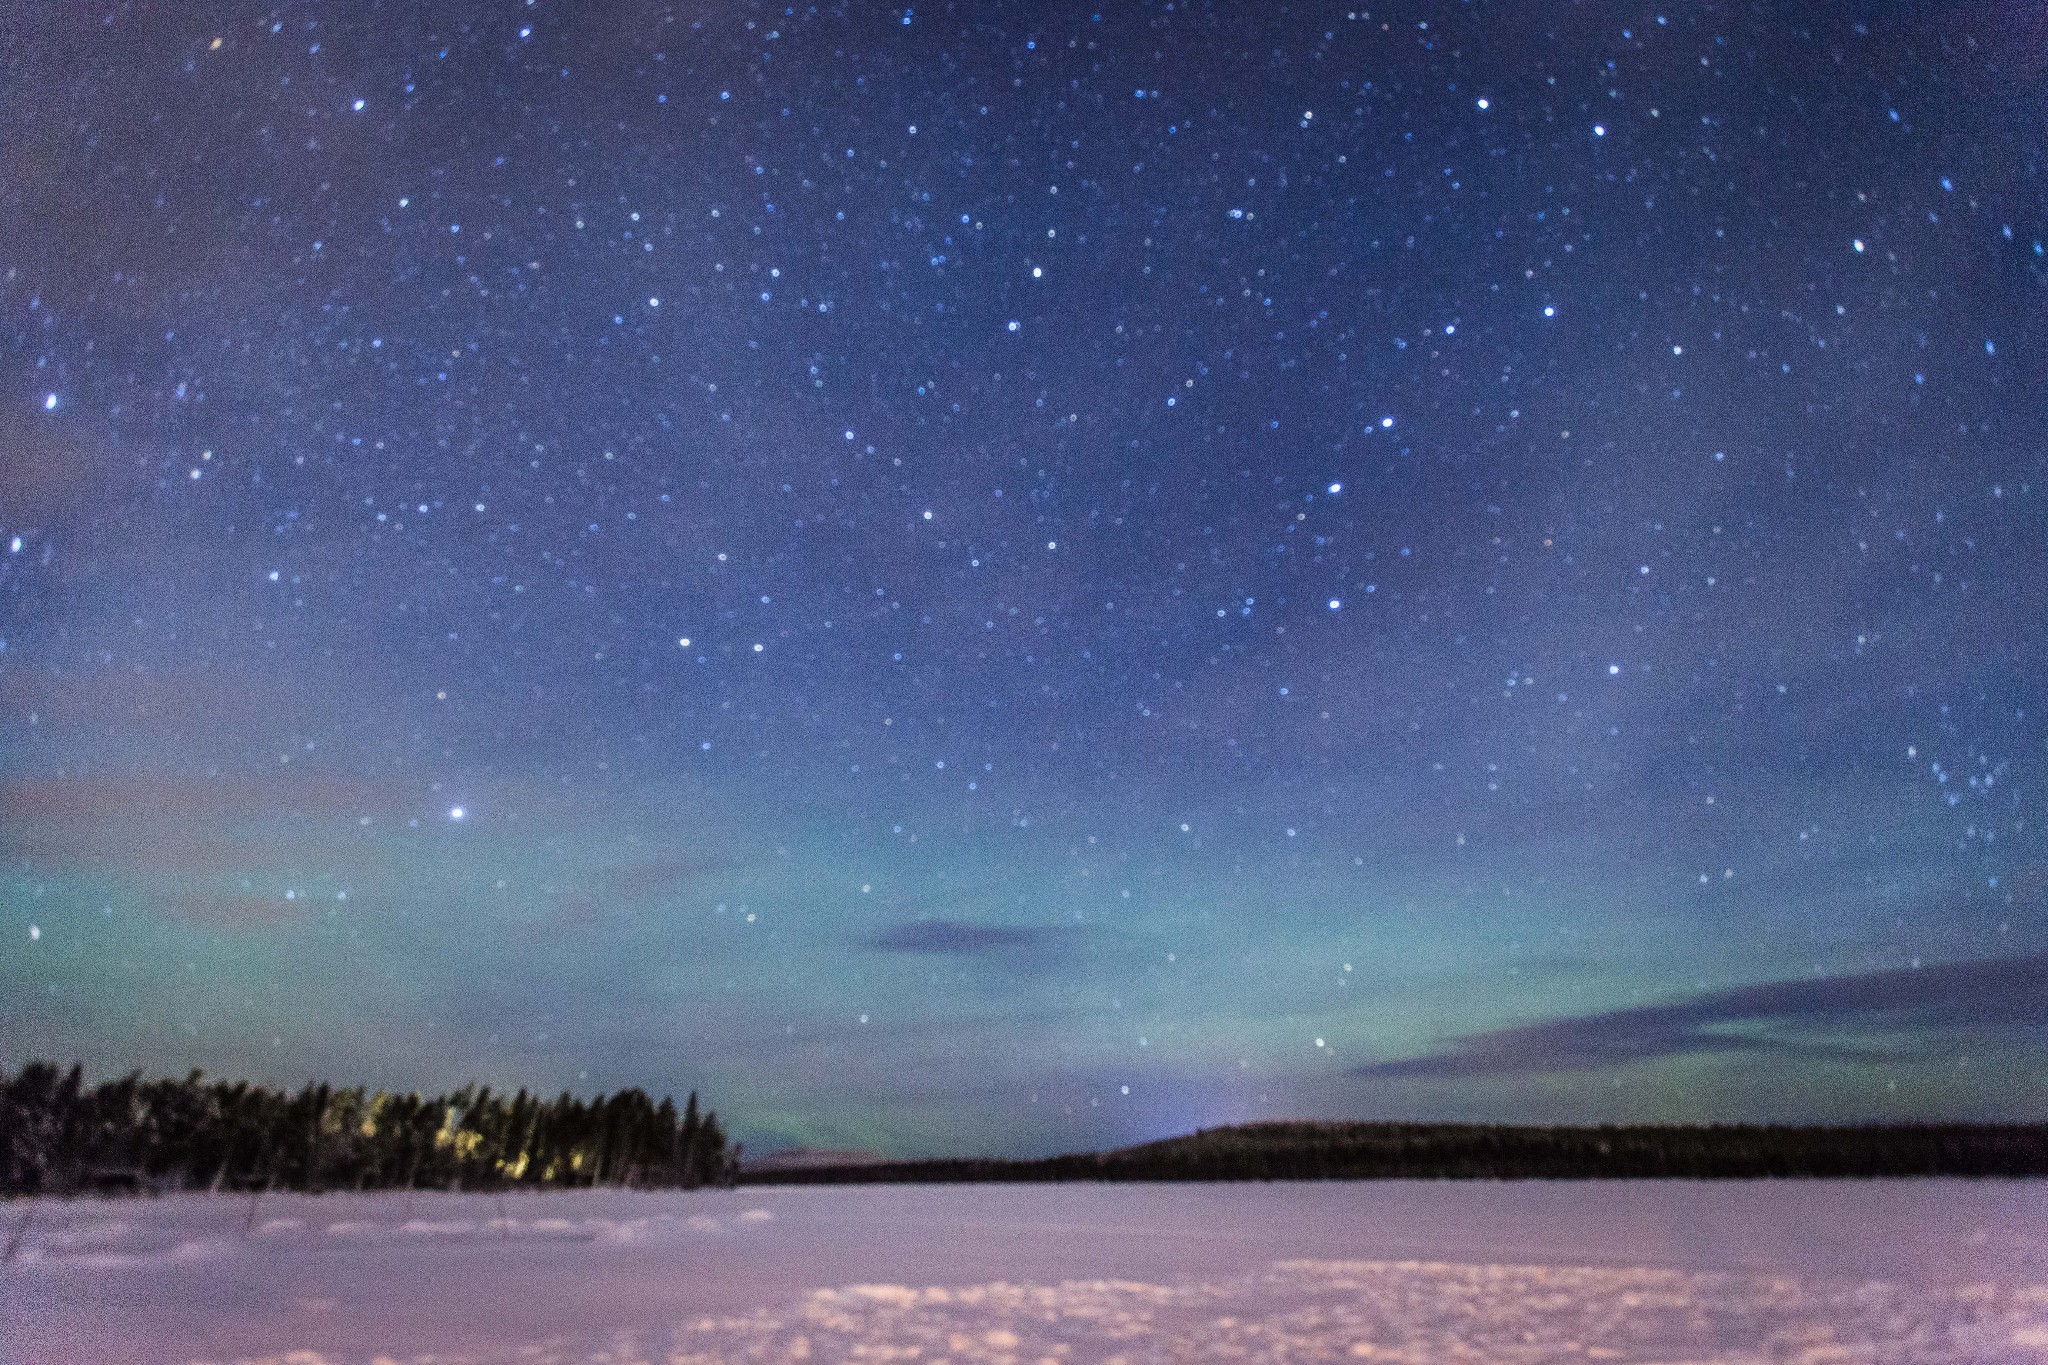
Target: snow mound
{"type": "Point", "coordinates": [112, 1244]}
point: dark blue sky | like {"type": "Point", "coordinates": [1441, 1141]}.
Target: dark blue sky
{"type": "Point", "coordinates": [1004, 578]}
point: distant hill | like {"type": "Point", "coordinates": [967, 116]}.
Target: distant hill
{"type": "Point", "coordinates": [1368, 1151]}
{"type": "Point", "coordinates": [814, 1158]}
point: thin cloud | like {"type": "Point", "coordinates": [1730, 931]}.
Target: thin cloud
{"type": "Point", "coordinates": [954, 937]}
{"type": "Point", "coordinates": [240, 911]}
{"type": "Point", "coordinates": [666, 874]}
{"type": "Point", "coordinates": [60, 800]}
{"type": "Point", "coordinates": [2006, 994]}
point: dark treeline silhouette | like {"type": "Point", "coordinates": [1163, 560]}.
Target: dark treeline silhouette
{"type": "Point", "coordinates": [1425, 1151]}
{"type": "Point", "coordinates": [59, 1135]}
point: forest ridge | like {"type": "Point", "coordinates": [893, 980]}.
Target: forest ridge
{"type": "Point", "coordinates": [61, 1136]}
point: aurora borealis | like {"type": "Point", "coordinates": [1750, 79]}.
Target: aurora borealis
{"type": "Point", "coordinates": [1005, 578]}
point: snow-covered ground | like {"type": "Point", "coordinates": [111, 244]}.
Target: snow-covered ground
{"type": "Point", "coordinates": [1044, 1275]}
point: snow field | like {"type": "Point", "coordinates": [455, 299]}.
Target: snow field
{"type": "Point", "coordinates": [1415, 1273]}
{"type": "Point", "coordinates": [1401, 1313]}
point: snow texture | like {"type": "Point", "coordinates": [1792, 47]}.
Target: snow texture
{"type": "Point", "coordinates": [1890, 1272]}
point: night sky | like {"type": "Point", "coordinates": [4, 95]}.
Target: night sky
{"type": "Point", "coordinates": [1003, 578]}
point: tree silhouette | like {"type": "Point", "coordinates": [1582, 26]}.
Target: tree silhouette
{"type": "Point", "coordinates": [57, 1135]}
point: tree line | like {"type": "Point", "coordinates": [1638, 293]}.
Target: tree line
{"type": "Point", "coordinates": [59, 1135]}
{"type": "Point", "coordinates": [1474, 1151]}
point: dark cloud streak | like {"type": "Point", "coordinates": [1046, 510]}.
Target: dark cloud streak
{"type": "Point", "coordinates": [954, 938]}
{"type": "Point", "coordinates": [2004, 993]}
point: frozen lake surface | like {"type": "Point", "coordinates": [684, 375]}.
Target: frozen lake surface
{"type": "Point", "coordinates": [1410, 1272]}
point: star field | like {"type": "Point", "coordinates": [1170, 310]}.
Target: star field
{"type": "Point", "coordinates": [1005, 578]}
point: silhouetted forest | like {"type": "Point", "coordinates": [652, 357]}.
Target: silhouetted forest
{"type": "Point", "coordinates": [1425, 1151]}
{"type": "Point", "coordinates": [59, 1135]}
